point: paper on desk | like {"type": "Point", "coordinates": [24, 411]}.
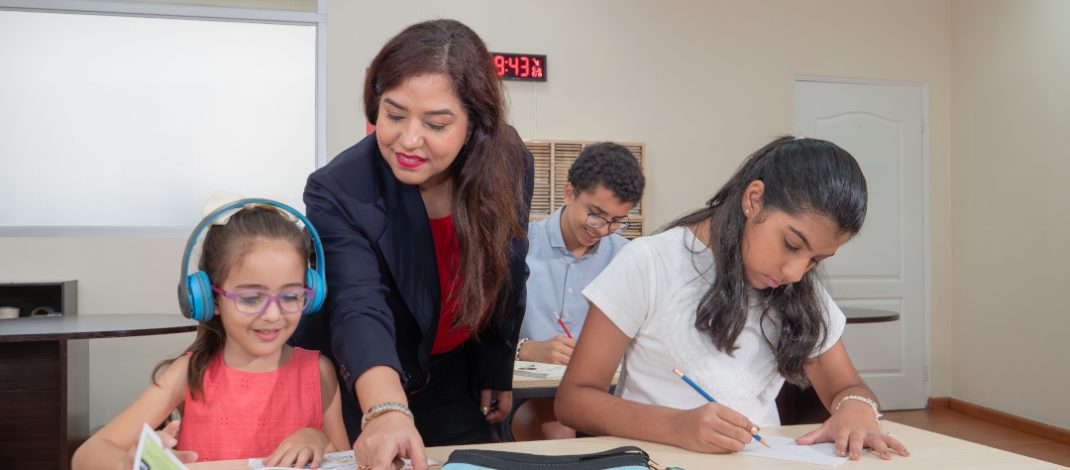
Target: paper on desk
{"type": "Point", "coordinates": [151, 454]}
{"type": "Point", "coordinates": [539, 370]}
{"type": "Point", "coordinates": [343, 460]}
{"type": "Point", "coordinates": [785, 448]}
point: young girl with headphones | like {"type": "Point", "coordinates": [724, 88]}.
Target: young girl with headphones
{"type": "Point", "coordinates": [242, 391]}
{"type": "Point", "coordinates": [728, 295]}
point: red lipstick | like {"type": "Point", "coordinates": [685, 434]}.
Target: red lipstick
{"type": "Point", "coordinates": [409, 161]}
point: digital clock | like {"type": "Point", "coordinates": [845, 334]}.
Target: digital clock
{"type": "Point", "coordinates": [525, 67]}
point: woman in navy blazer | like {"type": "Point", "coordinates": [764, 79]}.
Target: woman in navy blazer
{"type": "Point", "coordinates": [437, 199]}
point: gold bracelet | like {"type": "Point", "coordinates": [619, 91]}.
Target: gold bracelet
{"type": "Point", "coordinates": [381, 408]}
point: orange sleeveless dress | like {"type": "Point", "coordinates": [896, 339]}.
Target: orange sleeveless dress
{"type": "Point", "coordinates": [247, 414]}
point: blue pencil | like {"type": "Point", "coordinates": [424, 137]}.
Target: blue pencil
{"type": "Point", "coordinates": [709, 398]}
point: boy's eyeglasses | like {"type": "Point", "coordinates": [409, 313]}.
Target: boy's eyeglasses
{"type": "Point", "coordinates": [255, 302]}
{"type": "Point", "coordinates": [597, 222]}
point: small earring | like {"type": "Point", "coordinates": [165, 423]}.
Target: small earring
{"type": "Point", "coordinates": [746, 211]}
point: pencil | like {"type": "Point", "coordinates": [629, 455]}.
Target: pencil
{"type": "Point", "coordinates": [709, 397]}
{"type": "Point", "coordinates": [563, 327]}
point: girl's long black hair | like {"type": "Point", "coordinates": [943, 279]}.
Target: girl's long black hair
{"type": "Point", "coordinates": [800, 175]}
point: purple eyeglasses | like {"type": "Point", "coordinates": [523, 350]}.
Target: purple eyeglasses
{"type": "Point", "coordinates": [255, 302]}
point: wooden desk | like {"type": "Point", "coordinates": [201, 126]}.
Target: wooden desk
{"type": "Point", "coordinates": [526, 388]}
{"type": "Point", "coordinates": [44, 399]}
{"type": "Point", "coordinates": [928, 450]}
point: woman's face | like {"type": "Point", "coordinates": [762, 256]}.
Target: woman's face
{"type": "Point", "coordinates": [779, 248]}
{"type": "Point", "coordinates": [421, 128]}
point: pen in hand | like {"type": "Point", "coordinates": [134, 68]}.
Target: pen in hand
{"type": "Point", "coordinates": [563, 327]}
{"type": "Point", "coordinates": [709, 398]}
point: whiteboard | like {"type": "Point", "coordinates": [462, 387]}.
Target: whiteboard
{"type": "Point", "coordinates": [127, 121]}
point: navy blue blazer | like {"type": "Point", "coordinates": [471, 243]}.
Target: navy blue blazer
{"type": "Point", "coordinates": [383, 296]}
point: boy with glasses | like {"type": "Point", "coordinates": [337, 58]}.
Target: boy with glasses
{"type": "Point", "coordinates": [566, 251]}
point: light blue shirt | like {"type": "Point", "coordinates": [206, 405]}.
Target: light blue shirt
{"type": "Point", "coordinates": [557, 279]}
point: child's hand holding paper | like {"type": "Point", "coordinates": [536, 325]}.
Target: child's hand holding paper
{"type": "Point", "coordinates": [153, 451]}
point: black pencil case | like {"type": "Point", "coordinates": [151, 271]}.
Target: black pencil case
{"type": "Point", "coordinates": [621, 458]}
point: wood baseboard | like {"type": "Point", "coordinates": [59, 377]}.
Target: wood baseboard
{"type": "Point", "coordinates": [1017, 423]}
{"type": "Point", "coordinates": [938, 403]}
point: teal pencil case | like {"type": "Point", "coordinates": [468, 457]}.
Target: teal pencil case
{"type": "Point", "coordinates": [621, 458]}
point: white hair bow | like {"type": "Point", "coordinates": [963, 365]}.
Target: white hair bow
{"type": "Point", "coordinates": [222, 198]}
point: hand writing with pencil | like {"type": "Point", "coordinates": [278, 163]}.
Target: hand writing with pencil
{"type": "Point", "coordinates": [556, 350]}
{"type": "Point", "coordinates": [729, 416]}
{"type": "Point", "coordinates": [713, 428]}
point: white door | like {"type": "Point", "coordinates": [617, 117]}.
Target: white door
{"type": "Point", "coordinates": [884, 267]}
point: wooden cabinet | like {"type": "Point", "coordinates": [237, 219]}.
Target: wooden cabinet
{"type": "Point", "coordinates": [44, 389]}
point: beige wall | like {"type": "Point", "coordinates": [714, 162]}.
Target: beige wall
{"type": "Point", "coordinates": [1011, 109]}
{"type": "Point", "coordinates": [701, 83]}
{"type": "Point", "coordinates": [711, 81]}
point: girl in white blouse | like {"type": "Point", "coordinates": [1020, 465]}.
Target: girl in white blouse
{"type": "Point", "coordinates": [727, 293]}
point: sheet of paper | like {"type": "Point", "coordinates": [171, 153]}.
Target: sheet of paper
{"type": "Point", "coordinates": [785, 448]}
{"type": "Point", "coordinates": [151, 454]}
{"type": "Point", "coordinates": [343, 460]}
{"type": "Point", "coordinates": [539, 370]}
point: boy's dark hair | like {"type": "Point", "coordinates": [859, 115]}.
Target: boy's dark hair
{"type": "Point", "coordinates": [610, 165]}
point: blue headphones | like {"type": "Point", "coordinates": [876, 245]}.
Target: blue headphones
{"type": "Point", "coordinates": [195, 297]}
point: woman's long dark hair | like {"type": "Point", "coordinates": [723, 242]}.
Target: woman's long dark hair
{"type": "Point", "coordinates": [488, 174]}
{"type": "Point", "coordinates": [800, 175]}
{"type": "Point", "coordinates": [224, 247]}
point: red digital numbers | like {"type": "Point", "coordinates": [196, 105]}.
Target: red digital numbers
{"type": "Point", "coordinates": [512, 62]}
{"type": "Point", "coordinates": [528, 67]}
{"type": "Point", "coordinates": [499, 63]}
